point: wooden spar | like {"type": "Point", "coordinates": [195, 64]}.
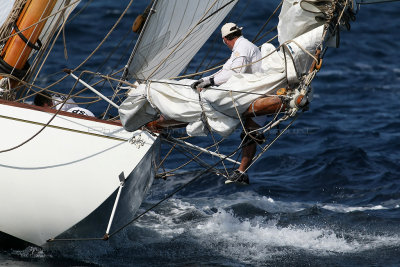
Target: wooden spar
{"type": "Point", "coordinates": [261, 106]}
{"type": "Point", "coordinates": [16, 51]}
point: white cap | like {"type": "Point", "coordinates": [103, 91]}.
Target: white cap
{"type": "Point", "coordinates": [229, 28]}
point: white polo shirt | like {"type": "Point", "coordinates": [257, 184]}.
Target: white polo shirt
{"type": "Point", "coordinates": [244, 52]}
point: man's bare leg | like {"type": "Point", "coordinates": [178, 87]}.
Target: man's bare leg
{"type": "Point", "coordinates": [248, 153]}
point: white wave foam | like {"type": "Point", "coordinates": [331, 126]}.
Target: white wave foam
{"type": "Point", "coordinates": [214, 226]}
{"type": "Point", "coordinates": [346, 209]}
{"type": "Point", "coordinates": [259, 201]}
{"type": "Point", "coordinates": [259, 238]}
{"type": "Point", "coordinates": [258, 234]}
{"type": "Point", "coordinates": [163, 222]}
{"type": "Point", "coordinates": [31, 253]}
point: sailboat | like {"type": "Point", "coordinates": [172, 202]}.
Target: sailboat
{"type": "Point", "coordinates": [65, 174]}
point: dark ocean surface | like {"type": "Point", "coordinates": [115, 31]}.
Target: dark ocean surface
{"type": "Point", "coordinates": [327, 193]}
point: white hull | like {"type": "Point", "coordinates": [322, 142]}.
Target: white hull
{"type": "Point", "coordinates": [65, 173]}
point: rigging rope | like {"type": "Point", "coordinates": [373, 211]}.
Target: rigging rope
{"type": "Point", "coordinates": [217, 39]}
{"type": "Point", "coordinates": [69, 94]}
{"type": "Point", "coordinates": [273, 141]}
{"type": "Point", "coordinates": [6, 28]}
{"type": "Point", "coordinates": [44, 126]}
{"type": "Point", "coordinates": [94, 51]}
{"type": "Point", "coordinates": [40, 21]}
{"type": "Point", "coordinates": [193, 157]}
{"type": "Point", "coordinates": [180, 188]}
{"type": "Point", "coordinates": [305, 83]}
{"type": "Point", "coordinates": [305, 80]}
{"type": "Point", "coordinates": [39, 56]}
{"type": "Point", "coordinates": [266, 23]}
{"type": "Point", "coordinates": [183, 39]}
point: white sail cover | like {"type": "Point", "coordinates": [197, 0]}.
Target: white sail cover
{"type": "Point", "coordinates": [174, 34]}
{"type": "Point", "coordinates": [219, 109]}
{"type": "Point", "coordinates": [5, 9]}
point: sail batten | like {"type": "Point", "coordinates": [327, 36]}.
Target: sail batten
{"type": "Point", "coordinates": [174, 34]}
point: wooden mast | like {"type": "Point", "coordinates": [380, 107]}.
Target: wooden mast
{"type": "Point", "coordinates": [18, 48]}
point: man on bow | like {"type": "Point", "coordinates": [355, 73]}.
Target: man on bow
{"type": "Point", "coordinates": [245, 58]}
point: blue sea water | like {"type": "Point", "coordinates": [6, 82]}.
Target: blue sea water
{"type": "Point", "coordinates": [327, 193]}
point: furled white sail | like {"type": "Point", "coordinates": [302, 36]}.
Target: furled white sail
{"type": "Point", "coordinates": [5, 9]}
{"type": "Point", "coordinates": [174, 34]}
